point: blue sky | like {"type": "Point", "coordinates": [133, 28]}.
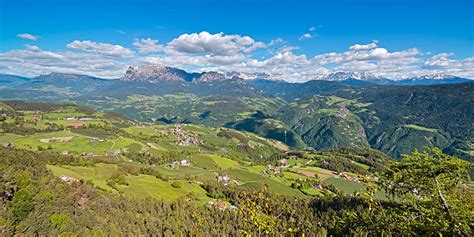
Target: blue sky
{"type": "Point", "coordinates": [431, 27]}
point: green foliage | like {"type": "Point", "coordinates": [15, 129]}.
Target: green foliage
{"type": "Point", "coordinates": [59, 221]}
{"type": "Point", "coordinates": [433, 183]}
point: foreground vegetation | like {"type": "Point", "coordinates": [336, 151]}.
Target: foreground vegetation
{"type": "Point", "coordinates": [67, 170]}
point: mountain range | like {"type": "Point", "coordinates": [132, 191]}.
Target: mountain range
{"type": "Point", "coordinates": [340, 109]}
{"type": "Point", "coordinates": [155, 73]}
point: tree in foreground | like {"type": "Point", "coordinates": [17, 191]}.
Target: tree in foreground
{"type": "Point", "coordinates": [435, 186]}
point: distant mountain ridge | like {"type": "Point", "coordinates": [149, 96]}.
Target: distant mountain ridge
{"type": "Point", "coordinates": [346, 109]}
{"type": "Point", "coordinates": [160, 73]}
{"type": "Point", "coordinates": [358, 78]}
{"type": "Point", "coordinates": [342, 76]}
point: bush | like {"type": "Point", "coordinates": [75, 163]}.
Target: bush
{"type": "Point", "coordinates": [175, 184]}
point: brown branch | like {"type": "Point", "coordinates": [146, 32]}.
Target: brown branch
{"type": "Point", "coordinates": [443, 200]}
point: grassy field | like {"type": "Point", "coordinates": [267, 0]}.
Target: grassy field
{"type": "Point", "coordinates": [8, 138]}
{"type": "Point", "coordinates": [146, 186]}
{"type": "Point", "coordinates": [222, 162]}
{"type": "Point", "coordinates": [345, 186]}
{"type": "Point", "coordinates": [256, 181]}
{"type": "Point", "coordinates": [97, 174]}
{"type": "Point", "coordinates": [140, 187]}
{"type": "Point", "coordinates": [418, 127]}
{"type": "Point", "coordinates": [79, 143]}
{"type": "Point", "coordinates": [184, 171]}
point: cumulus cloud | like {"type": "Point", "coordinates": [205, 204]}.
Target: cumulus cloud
{"type": "Point", "coordinates": [33, 61]}
{"type": "Point", "coordinates": [28, 36]}
{"type": "Point", "coordinates": [108, 50]}
{"type": "Point", "coordinates": [357, 47]}
{"type": "Point", "coordinates": [213, 44]}
{"type": "Point", "coordinates": [147, 45]}
{"type": "Point", "coordinates": [219, 52]}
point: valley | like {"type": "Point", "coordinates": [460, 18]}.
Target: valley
{"type": "Point", "coordinates": [322, 114]}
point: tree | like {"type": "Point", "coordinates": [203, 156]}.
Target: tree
{"type": "Point", "coordinates": [434, 184]}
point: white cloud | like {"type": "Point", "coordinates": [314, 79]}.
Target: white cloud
{"type": "Point", "coordinates": [147, 45]}
{"type": "Point", "coordinates": [306, 36]}
{"type": "Point", "coordinates": [213, 44]}
{"type": "Point", "coordinates": [309, 35]}
{"type": "Point", "coordinates": [357, 47]}
{"type": "Point", "coordinates": [220, 52]}
{"type": "Point", "coordinates": [28, 36]}
{"type": "Point", "coordinates": [108, 50]}
{"type": "Point", "coordinates": [33, 61]}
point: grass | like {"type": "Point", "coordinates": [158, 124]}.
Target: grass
{"type": "Point", "coordinates": [256, 168]}
{"type": "Point", "coordinates": [222, 162]}
{"type": "Point", "coordinates": [203, 161]}
{"type": "Point", "coordinates": [274, 187]}
{"type": "Point", "coordinates": [91, 132]}
{"type": "Point", "coordinates": [256, 181]}
{"type": "Point", "coordinates": [363, 166]}
{"type": "Point", "coordinates": [345, 186]}
{"type": "Point", "coordinates": [322, 173]}
{"type": "Point", "coordinates": [418, 127]}
{"type": "Point", "coordinates": [293, 176]}
{"type": "Point", "coordinates": [8, 138]}
{"type": "Point", "coordinates": [183, 171]}
{"type": "Point", "coordinates": [145, 186]}
{"type": "Point", "coordinates": [78, 144]}
{"type": "Point", "coordinates": [97, 174]}
{"type": "Point", "coordinates": [140, 187]}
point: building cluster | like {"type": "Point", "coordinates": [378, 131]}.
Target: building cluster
{"type": "Point", "coordinates": [176, 164]}
{"type": "Point", "coordinates": [342, 112]}
{"type": "Point", "coordinates": [184, 138]}
{"type": "Point", "coordinates": [272, 170]}
{"type": "Point", "coordinates": [221, 205]}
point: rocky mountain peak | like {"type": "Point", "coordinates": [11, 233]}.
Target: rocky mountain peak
{"type": "Point", "coordinates": [342, 76]}
{"type": "Point", "coordinates": [153, 73]}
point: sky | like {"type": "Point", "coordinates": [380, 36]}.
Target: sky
{"type": "Point", "coordinates": [291, 40]}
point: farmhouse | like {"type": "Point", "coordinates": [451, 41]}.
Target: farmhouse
{"type": "Point", "coordinates": [346, 176]}
{"type": "Point", "coordinates": [218, 204]}
{"type": "Point", "coordinates": [318, 186]}
{"type": "Point", "coordinates": [8, 145]}
{"type": "Point", "coordinates": [283, 162]}
{"type": "Point", "coordinates": [96, 139]}
{"type": "Point", "coordinates": [36, 117]}
{"type": "Point", "coordinates": [70, 180]}
{"type": "Point", "coordinates": [274, 170]}
{"type": "Point", "coordinates": [75, 124]}
{"type": "Point", "coordinates": [185, 163]}
{"type": "Point", "coordinates": [223, 178]}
